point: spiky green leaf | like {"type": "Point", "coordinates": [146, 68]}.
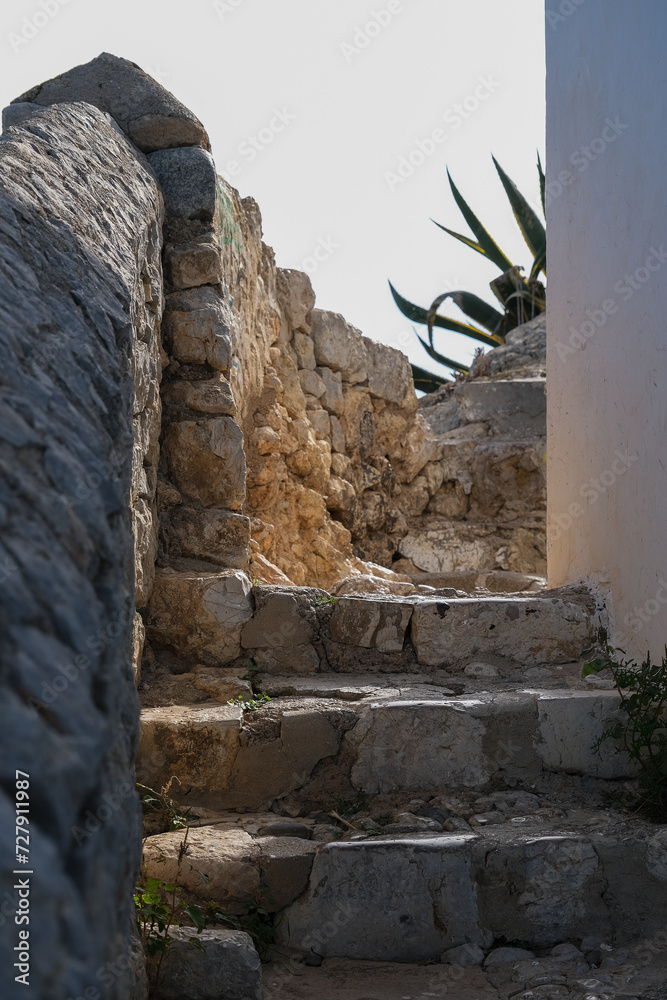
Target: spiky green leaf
{"type": "Point", "coordinates": [440, 358]}
{"type": "Point", "coordinates": [485, 245]}
{"type": "Point", "coordinates": [539, 264]}
{"type": "Point", "coordinates": [426, 381]}
{"type": "Point", "coordinates": [419, 315]}
{"type": "Point", "coordinates": [469, 331]}
{"type": "Point", "coordinates": [478, 310]}
{"type": "Point", "coordinates": [531, 228]}
{"type": "Point", "coordinates": [543, 185]}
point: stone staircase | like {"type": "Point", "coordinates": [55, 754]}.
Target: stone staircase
{"type": "Point", "coordinates": [422, 779]}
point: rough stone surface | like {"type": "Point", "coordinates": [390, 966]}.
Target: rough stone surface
{"type": "Point", "coordinates": [79, 303]}
{"type": "Point", "coordinates": [205, 461]}
{"type": "Point", "coordinates": [487, 512]}
{"type": "Point", "coordinates": [417, 896]}
{"type": "Point", "coordinates": [195, 328]}
{"type": "Point", "coordinates": [224, 762]}
{"type": "Point", "coordinates": [194, 539]}
{"type": "Point", "coordinates": [529, 630]}
{"type": "Point", "coordinates": [369, 623]}
{"type": "Point", "coordinates": [523, 355]}
{"type": "Point", "coordinates": [149, 114]}
{"type": "Point", "coordinates": [199, 616]}
{"type": "Point", "coordinates": [192, 264]}
{"type": "Point", "coordinates": [421, 898]}
{"type": "Point", "coordinates": [229, 859]}
{"type": "Point", "coordinates": [333, 440]}
{"type": "Point", "coordinates": [223, 965]}
{"type": "Point", "coordinates": [188, 181]}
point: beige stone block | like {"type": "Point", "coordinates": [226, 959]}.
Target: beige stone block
{"type": "Point", "coordinates": [296, 296]}
{"type": "Point", "coordinates": [268, 769]}
{"type": "Point", "coordinates": [527, 630]}
{"type": "Point", "coordinates": [333, 399]}
{"type": "Point", "coordinates": [305, 352]}
{"type": "Point", "coordinates": [341, 495]}
{"type": "Point", "coordinates": [195, 744]}
{"type": "Point", "coordinates": [212, 396]}
{"type": "Point", "coordinates": [389, 372]}
{"type": "Point", "coordinates": [195, 328]}
{"type": "Point", "coordinates": [321, 424]}
{"type": "Point", "coordinates": [230, 859]}
{"type": "Point", "coordinates": [279, 620]}
{"type": "Point", "coordinates": [373, 624]}
{"type": "Point", "coordinates": [192, 264]}
{"type": "Point", "coordinates": [221, 685]}
{"type": "Point", "coordinates": [339, 346]}
{"type": "Point", "coordinates": [209, 536]}
{"type": "Point", "coordinates": [311, 384]}
{"type": "Point", "coordinates": [205, 460]}
{"type": "Point", "coordinates": [337, 435]}
{"type": "Point", "coordinates": [199, 616]}
{"type": "Point", "coordinates": [285, 866]}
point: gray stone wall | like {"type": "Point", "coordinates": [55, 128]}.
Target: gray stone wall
{"type": "Point", "coordinates": [80, 304]}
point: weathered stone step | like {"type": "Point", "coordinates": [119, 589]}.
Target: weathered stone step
{"type": "Point", "coordinates": [546, 977]}
{"type": "Point", "coordinates": [303, 631]}
{"type": "Point", "coordinates": [411, 899]}
{"type": "Point", "coordinates": [406, 898]}
{"type": "Point", "coordinates": [315, 750]}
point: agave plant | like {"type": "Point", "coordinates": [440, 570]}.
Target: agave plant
{"type": "Point", "coordinates": [521, 298]}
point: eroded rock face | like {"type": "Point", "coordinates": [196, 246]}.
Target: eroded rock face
{"type": "Point", "coordinates": [487, 511]}
{"type": "Point", "coordinates": [80, 302]}
{"type": "Point", "coordinates": [333, 439]}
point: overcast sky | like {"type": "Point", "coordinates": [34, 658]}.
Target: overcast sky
{"type": "Point", "coordinates": [325, 112]}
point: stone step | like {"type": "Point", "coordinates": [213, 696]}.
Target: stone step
{"type": "Point", "coordinates": [413, 898]}
{"type": "Point", "coordinates": [494, 581]}
{"type": "Point", "coordinates": [535, 880]}
{"type": "Point", "coordinates": [291, 630]}
{"type": "Point", "coordinates": [315, 749]}
{"type": "Point", "coordinates": [550, 977]}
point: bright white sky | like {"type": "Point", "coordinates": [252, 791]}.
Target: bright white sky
{"type": "Point", "coordinates": [352, 113]}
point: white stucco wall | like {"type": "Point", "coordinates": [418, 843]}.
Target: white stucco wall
{"type": "Point", "coordinates": [607, 315]}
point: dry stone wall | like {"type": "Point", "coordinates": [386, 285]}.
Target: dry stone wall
{"type": "Point", "coordinates": [80, 304]}
{"type": "Point", "coordinates": [334, 441]}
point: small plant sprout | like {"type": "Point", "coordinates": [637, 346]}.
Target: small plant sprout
{"type": "Point", "coordinates": [641, 729]}
{"type": "Point", "coordinates": [251, 704]}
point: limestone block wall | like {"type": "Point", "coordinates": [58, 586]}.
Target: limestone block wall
{"type": "Point", "coordinates": [333, 439]}
{"type": "Point", "coordinates": [80, 305]}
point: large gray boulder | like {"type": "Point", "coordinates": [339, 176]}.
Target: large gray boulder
{"type": "Point", "coordinates": [146, 112]}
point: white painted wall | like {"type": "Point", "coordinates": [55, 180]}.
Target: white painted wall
{"type": "Point", "coordinates": [607, 316]}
